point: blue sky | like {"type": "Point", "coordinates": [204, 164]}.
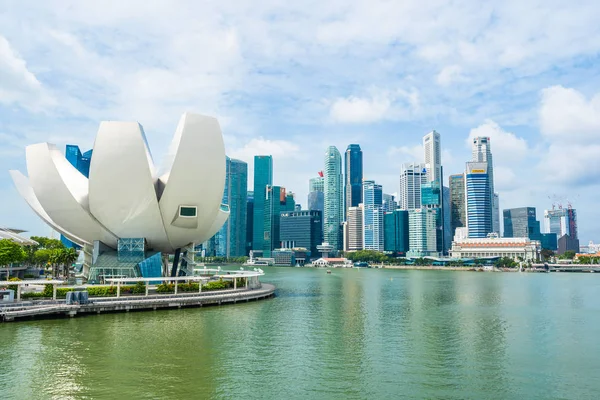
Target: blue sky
{"type": "Point", "coordinates": [291, 79]}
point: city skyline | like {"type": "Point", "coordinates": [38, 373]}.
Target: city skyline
{"type": "Point", "coordinates": [485, 73]}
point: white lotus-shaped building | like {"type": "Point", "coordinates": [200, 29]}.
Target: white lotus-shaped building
{"type": "Point", "coordinates": [124, 197]}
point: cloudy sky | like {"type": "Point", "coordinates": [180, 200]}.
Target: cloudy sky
{"type": "Point", "coordinates": [291, 78]}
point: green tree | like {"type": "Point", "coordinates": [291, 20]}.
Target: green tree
{"type": "Point", "coordinates": [506, 262]}
{"type": "Point", "coordinates": [547, 254]}
{"type": "Point", "coordinates": [10, 252]}
{"type": "Point", "coordinates": [568, 255]}
{"type": "Point", "coordinates": [67, 257]}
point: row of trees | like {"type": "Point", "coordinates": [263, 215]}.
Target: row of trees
{"type": "Point", "coordinates": [10, 253]}
{"type": "Point", "coordinates": [222, 260]}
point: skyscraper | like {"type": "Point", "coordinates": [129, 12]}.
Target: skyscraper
{"type": "Point", "coordinates": [562, 221]}
{"type": "Point", "coordinates": [334, 200]}
{"type": "Point", "coordinates": [482, 152]}
{"type": "Point", "coordinates": [458, 214]}
{"type": "Point", "coordinates": [354, 229]}
{"type": "Point", "coordinates": [317, 184]}
{"type": "Point", "coordinates": [422, 232]}
{"type": "Point", "coordinates": [316, 195]}
{"type": "Point", "coordinates": [263, 176]}
{"type": "Point", "coordinates": [231, 238]}
{"type": "Point", "coordinates": [249, 221]}
{"type": "Point", "coordinates": [353, 167]}
{"type": "Point", "coordinates": [389, 203]}
{"type": "Point", "coordinates": [396, 232]}
{"type": "Point", "coordinates": [275, 203]}
{"type": "Point", "coordinates": [301, 229]}
{"type": "Point", "coordinates": [433, 156]}
{"type": "Point", "coordinates": [479, 201]}
{"type": "Point", "coordinates": [372, 216]}
{"type": "Point", "coordinates": [521, 223]}
{"type": "Point", "coordinates": [412, 176]}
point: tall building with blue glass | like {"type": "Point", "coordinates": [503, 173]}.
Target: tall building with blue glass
{"type": "Point", "coordinates": [479, 201]}
{"type": "Point", "coordinates": [334, 198]}
{"type": "Point", "coordinates": [82, 163]}
{"type": "Point", "coordinates": [396, 235]}
{"type": "Point", "coordinates": [353, 167]}
{"type": "Point", "coordinates": [263, 177]}
{"type": "Point", "coordinates": [301, 229]}
{"type": "Point", "coordinates": [249, 221]}
{"type": "Point", "coordinates": [231, 238]}
{"type": "Point", "coordinates": [275, 203]}
{"type": "Point", "coordinates": [372, 216]}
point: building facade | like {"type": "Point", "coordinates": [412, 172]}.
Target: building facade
{"type": "Point", "coordinates": [458, 212]}
{"type": "Point", "coordinates": [396, 232]}
{"type": "Point", "coordinates": [372, 216]}
{"type": "Point", "coordinates": [230, 241]}
{"type": "Point", "coordinates": [562, 221]}
{"type": "Point", "coordinates": [389, 203]}
{"type": "Point", "coordinates": [249, 221]}
{"type": "Point", "coordinates": [482, 152]}
{"type": "Point", "coordinates": [422, 232]}
{"type": "Point", "coordinates": [275, 203]}
{"type": "Point", "coordinates": [521, 222]}
{"type": "Point", "coordinates": [353, 178]}
{"type": "Point", "coordinates": [333, 199]}
{"type": "Point", "coordinates": [412, 176]}
{"type": "Point", "coordinates": [494, 246]}
{"type": "Point", "coordinates": [478, 200]}
{"type": "Point", "coordinates": [433, 156]}
{"type": "Point", "coordinates": [301, 229]}
{"type": "Point", "coordinates": [263, 177]}
{"type": "Point", "coordinates": [353, 239]}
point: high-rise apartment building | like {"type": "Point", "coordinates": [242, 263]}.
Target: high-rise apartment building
{"type": "Point", "coordinates": [230, 241]}
{"type": "Point", "coordinates": [354, 229]}
{"type": "Point", "coordinates": [372, 216]}
{"type": "Point", "coordinates": [301, 229]}
{"type": "Point", "coordinates": [334, 199]}
{"type": "Point", "coordinates": [422, 226]}
{"type": "Point", "coordinates": [275, 203]}
{"type": "Point", "coordinates": [263, 177]}
{"type": "Point", "coordinates": [433, 156]}
{"type": "Point", "coordinates": [353, 167]}
{"type": "Point", "coordinates": [482, 152]}
{"type": "Point", "coordinates": [412, 176]}
{"type": "Point", "coordinates": [478, 200]}
{"type": "Point", "coordinates": [458, 212]}
{"type": "Point", "coordinates": [396, 232]}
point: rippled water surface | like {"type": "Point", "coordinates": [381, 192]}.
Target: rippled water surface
{"type": "Point", "coordinates": [354, 334]}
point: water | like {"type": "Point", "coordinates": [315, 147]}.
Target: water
{"type": "Point", "coordinates": [354, 334]}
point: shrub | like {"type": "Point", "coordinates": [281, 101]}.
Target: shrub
{"type": "Point", "coordinates": [139, 287]}
{"type": "Point", "coordinates": [29, 276]}
{"type": "Point", "coordinates": [165, 288]}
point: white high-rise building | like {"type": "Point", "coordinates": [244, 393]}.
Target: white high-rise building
{"type": "Point", "coordinates": [482, 152]}
{"type": "Point", "coordinates": [354, 228]}
{"type": "Point", "coordinates": [433, 156]}
{"type": "Point", "coordinates": [412, 176]}
{"type": "Point", "coordinates": [422, 232]}
{"type": "Point", "coordinates": [333, 198]}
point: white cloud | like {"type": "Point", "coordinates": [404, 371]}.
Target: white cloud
{"type": "Point", "coordinates": [360, 110]}
{"type": "Point", "coordinates": [449, 75]}
{"type": "Point", "coordinates": [407, 154]}
{"type": "Point", "coordinates": [566, 116]}
{"type": "Point", "coordinates": [506, 146]}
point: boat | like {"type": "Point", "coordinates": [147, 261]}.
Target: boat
{"type": "Point", "coordinates": [329, 271]}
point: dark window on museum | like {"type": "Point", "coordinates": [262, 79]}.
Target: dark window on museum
{"type": "Point", "coordinates": [187, 211]}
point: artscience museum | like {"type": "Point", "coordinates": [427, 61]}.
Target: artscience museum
{"type": "Point", "coordinates": [126, 217]}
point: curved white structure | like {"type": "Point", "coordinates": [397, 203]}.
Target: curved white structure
{"type": "Point", "coordinates": [123, 197]}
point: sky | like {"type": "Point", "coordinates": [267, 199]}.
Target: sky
{"type": "Point", "coordinates": [292, 78]}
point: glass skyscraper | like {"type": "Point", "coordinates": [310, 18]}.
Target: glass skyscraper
{"type": "Point", "coordinates": [275, 203]}
{"type": "Point", "coordinates": [263, 177]}
{"type": "Point", "coordinates": [249, 221]}
{"type": "Point", "coordinates": [301, 229]}
{"type": "Point", "coordinates": [482, 152]}
{"type": "Point", "coordinates": [396, 236]}
{"type": "Point", "coordinates": [458, 214]}
{"type": "Point", "coordinates": [231, 238]}
{"type": "Point", "coordinates": [353, 167]}
{"type": "Point", "coordinates": [521, 223]}
{"type": "Point", "coordinates": [372, 216]}
{"type": "Point", "coordinates": [479, 201]}
{"type": "Point", "coordinates": [334, 199]}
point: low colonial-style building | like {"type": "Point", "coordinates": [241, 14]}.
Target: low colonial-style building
{"type": "Point", "coordinates": [494, 246]}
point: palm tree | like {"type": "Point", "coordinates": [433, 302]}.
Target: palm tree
{"type": "Point", "coordinates": [54, 260]}
{"type": "Point", "coordinates": [68, 257]}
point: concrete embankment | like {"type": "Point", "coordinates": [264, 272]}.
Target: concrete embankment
{"type": "Point", "coordinates": [44, 309]}
{"type": "Point", "coordinates": [441, 268]}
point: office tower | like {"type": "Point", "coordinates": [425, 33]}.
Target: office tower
{"type": "Point", "coordinates": [446, 229]}
{"type": "Point", "coordinates": [412, 176]}
{"type": "Point", "coordinates": [82, 163]}
{"type": "Point", "coordinates": [372, 216]}
{"type": "Point", "coordinates": [562, 221]}
{"type": "Point", "coordinates": [422, 232]}
{"type": "Point", "coordinates": [482, 152]}
{"type": "Point", "coordinates": [290, 202]}
{"type": "Point", "coordinates": [263, 177]}
{"type": "Point", "coordinates": [301, 229]}
{"type": "Point", "coordinates": [389, 203]}
{"type": "Point", "coordinates": [316, 201]}
{"type": "Point", "coordinates": [230, 241]}
{"type": "Point", "coordinates": [433, 156]}
{"type": "Point", "coordinates": [333, 199]}
{"type": "Point", "coordinates": [431, 198]}
{"type": "Point", "coordinates": [275, 203]}
{"type": "Point", "coordinates": [317, 184]}
{"type": "Point", "coordinates": [521, 223]}
{"type": "Point", "coordinates": [354, 228]}
{"type": "Point", "coordinates": [353, 167]}
{"type": "Point", "coordinates": [479, 200]}
{"type": "Point", "coordinates": [249, 221]}
{"type": "Point", "coordinates": [396, 232]}
{"type": "Point", "coordinates": [458, 213]}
